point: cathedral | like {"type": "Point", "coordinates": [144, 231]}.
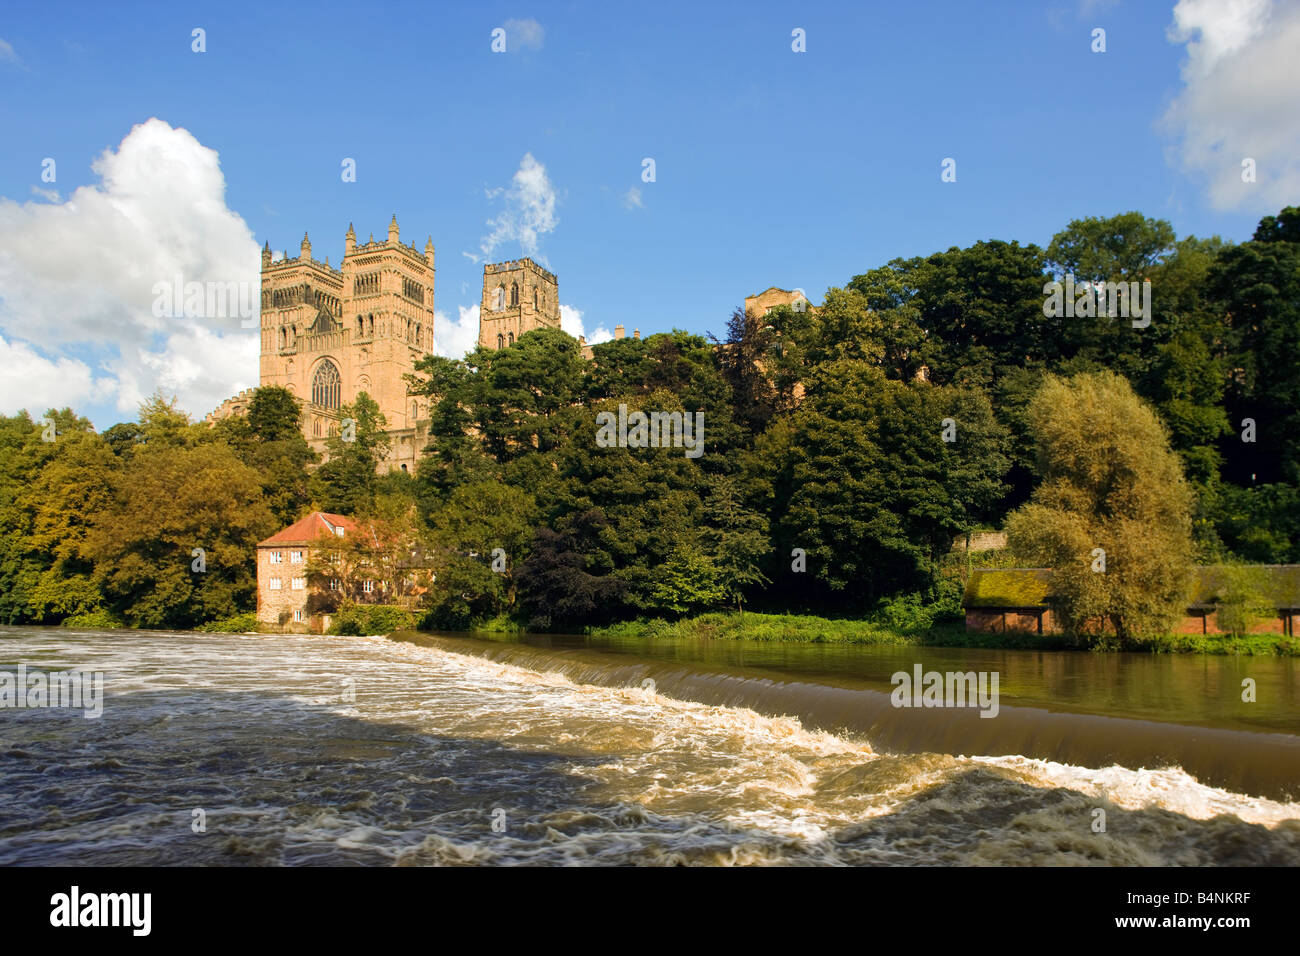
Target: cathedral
{"type": "Point", "coordinates": [328, 334]}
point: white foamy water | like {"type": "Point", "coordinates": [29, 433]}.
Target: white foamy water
{"type": "Point", "coordinates": [302, 750]}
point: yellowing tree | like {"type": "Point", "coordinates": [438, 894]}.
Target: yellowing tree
{"type": "Point", "coordinates": [1112, 514]}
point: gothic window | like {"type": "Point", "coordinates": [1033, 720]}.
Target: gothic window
{"type": "Point", "coordinates": [371, 320]}
{"type": "Point", "coordinates": [499, 299]}
{"type": "Point", "coordinates": [361, 326]}
{"type": "Point", "coordinates": [535, 305]}
{"type": "Point", "coordinates": [414, 411]}
{"type": "Point", "coordinates": [514, 295]}
{"type": "Point", "coordinates": [511, 339]}
{"type": "Point", "coordinates": [501, 341]}
{"type": "Point", "coordinates": [327, 385]}
{"type": "Point", "coordinates": [418, 330]}
{"type": "Point", "coordinates": [283, 339]}
{"type": "Point", "coordinates": [315, 428]}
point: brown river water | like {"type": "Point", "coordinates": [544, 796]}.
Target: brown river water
{"type": "Point", "coordinates": [438, 749]}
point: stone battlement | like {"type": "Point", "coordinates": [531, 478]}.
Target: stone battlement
{"type": "Point", "coordinates": [514, 265]}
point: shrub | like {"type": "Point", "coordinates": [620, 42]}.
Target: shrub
{"type": "Point", "coordinates": [358, 620]}
{"type": "Point", "coordinates": [93, 621]}
{"type": "Point", "coordinates": [235, 624]}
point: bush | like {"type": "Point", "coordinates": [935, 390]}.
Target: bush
{"type": "Point", "coordinates": [235, 624]}
{"type": "Point", "coordinates": [93, 621]}
{"type": "Point", "coordinates": [358, 620]}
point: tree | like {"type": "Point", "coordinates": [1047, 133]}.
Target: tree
{"type": "Point", "coordinates": [876, 492]}
{"type": "Point", "coordinates": [565, 582]}
{"type": "Point", "coordinates": [473, 579]}
{"type": "Point", "coordinates": [1112, 516]}
{"type": "Point", "coordinates": [167, 501]}
{"type": "Point", "coordinates": [348, 480]}
{"type": "Point", "coordinates": [739, 541]}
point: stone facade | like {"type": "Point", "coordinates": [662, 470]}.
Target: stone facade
{"type": "Point", "coordinates": [518, 297]}
{"type": "Point", "coordinates": [283, 589]}
{"type": "Point", "coordinates": [329, 334]}
{"type": "Point", "coordinates": [765, 302]}
{"type": "Point", "coordinates": [999, 600]}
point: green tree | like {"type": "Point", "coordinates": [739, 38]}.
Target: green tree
{"type": "Point", "coordinates": [166, 502]}
{"type": "Point", "coordinates": [347, 482]}
{"type": "Point", "coordinates": [876, 493]}
{"type": "Point", "coordinates": [1111, 482]}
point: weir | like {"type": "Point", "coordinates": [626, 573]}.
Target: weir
{"type": "Point", "coordinates": [1256, 763]}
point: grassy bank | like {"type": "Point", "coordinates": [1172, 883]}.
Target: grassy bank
{"type": "Point", "coordinates": [808, 628]}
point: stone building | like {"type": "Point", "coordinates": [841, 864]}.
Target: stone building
{"type": "Point", "coordinates": [283, 589]}
{"type": "Point", "coordinates": [518, 297]}
{"type": "Point", "coordinates": [1019, 599]}
{"type": "Point", "coordinates": [329, 334]}
{"type": "Point", "coordinates": [765, 302]}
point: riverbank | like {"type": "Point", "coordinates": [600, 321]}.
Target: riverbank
{"type": "Point", "coordinates": [808, 628]}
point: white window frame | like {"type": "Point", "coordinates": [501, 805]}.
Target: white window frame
{"type": "Point", "coordinates": [275, 584]}
{"type": "Point", "coordinates": [277, 557]}
{"type": "Point", "coordinates": [298, 584]}
{"type": "Point", "coordinates": [295, 557]}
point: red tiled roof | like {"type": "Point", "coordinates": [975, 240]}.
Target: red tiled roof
{"type": "Point", "coordinates": [317, 525]}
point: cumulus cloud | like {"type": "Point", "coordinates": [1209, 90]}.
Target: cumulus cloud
{"type": "Point", "coordinates": [455, 339]}
{"type": "Point", "coordinates": [524, 35]}
{"type": "Point", "coordinates": [529, 211]}
{"type": "Point", "coordinates": [44, 383]}
{"type": "Point", "coordinates": [1240, 87]}
{"type": "Point", "coordinates": [79, 276]}
{"type": "Point", "coordinates": [571, 322]}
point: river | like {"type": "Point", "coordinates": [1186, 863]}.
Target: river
{"type": "Point", "coordinates": [443, 749]}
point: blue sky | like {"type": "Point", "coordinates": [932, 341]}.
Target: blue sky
{"type": "Point", "coordinates": [772, 167]}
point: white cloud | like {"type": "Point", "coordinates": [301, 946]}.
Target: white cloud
{"type": "Point", "coordinates": [1238, 100]}
{"type": "Point", "coordinates": [455, 339]}
{"type": "Point", "coordinates": [524, 35]}
{"type": "Point", "coordinates": [79, 275]}
{"type": "Point", "coordinates": [632, 198]}
{"type": "Point", "coordinates": [529, 211]}
{"type": "Point", "coordinates": [7, 54]}
{"type": "Point", "coordinates": [44, 383]}
{"type": "Point", "coordinates": [571, 322]}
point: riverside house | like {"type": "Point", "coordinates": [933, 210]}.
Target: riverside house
{"type": "Point", "coordinates": [1019, 599]}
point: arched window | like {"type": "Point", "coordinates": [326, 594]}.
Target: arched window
{"type": "Point", "coordinates": [371, 321]}
{"type": "Point", "coordinates": [419, 331]}
{"type": "Point", "coordinates": [415, 411]}
{"type": "Point", "coordinates": [361, 326]}
{"type": "Point", "coordinates": [315, 427]}
{"type": "Point", "coordinates": [499, 299]}
{"type": "Point", "coordinates": [327, 385]}
{"type": "Point", "coordinates": [535, 301]}
{"type": "Point", "coordinates": [501, 341]}
{"type": "Point", "coordinates": [510, 339]}
{"type": "Point", "coordinates": [283, 338]}
{"type": "Point", "coordinates": [514, 295]}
